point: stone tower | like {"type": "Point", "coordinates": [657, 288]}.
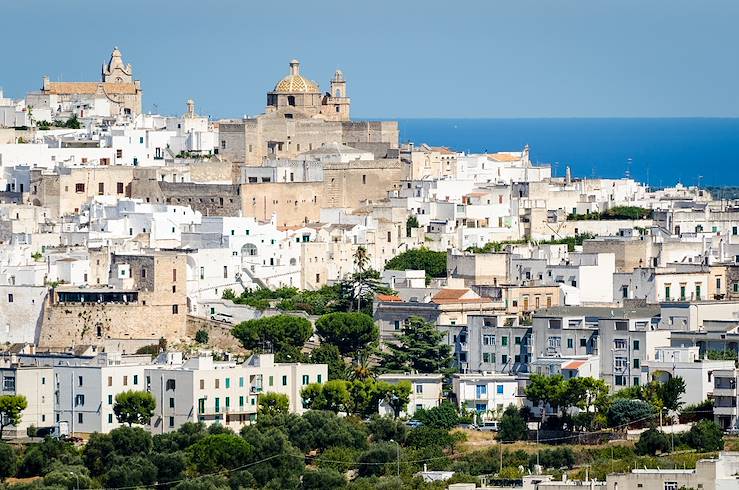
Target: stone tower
{"type": "Point", "coordinates": [116, 71]}
{"type": "Point", "coordinates": [336, 104]}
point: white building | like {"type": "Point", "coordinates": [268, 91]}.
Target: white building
{"type": "Point", "coordinates": [223, 392]}
{"type": "Point", "coordinates": [36, 384]}
{"type": "Point", "coordinates": [425, 391]}
{"type": "Point", "coordinates": [488, 394]}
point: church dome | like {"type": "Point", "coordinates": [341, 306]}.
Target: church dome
{"type": "Point", "coordinates": [295, 82]}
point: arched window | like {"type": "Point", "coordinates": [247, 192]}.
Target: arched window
{"type": "Point", "coordinates": [291, 100]}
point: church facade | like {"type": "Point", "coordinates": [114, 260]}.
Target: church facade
{"type": "Point", "coordinates": [116, 94]}
{"type": "Point", "coordinates": [299, 118]}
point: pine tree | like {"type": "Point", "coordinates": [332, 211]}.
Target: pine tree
{"type": "Point", "coordinates": [419, 347]}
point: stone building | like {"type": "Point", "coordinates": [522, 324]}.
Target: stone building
{"type": "Point", "coordinates": [300, 118]}
{"type": "Point", "coordinates": [116, 94]}
{"type": "Point", "coordinates": [146, 299]}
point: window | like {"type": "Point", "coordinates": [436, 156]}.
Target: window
{"type": "Point", "coordinates": [125, 381]}
{"type": "Point", "coordinates": [620, 380]}
{"type": "Point", "coordinates": [504, 341]}
{"type": "Point", "coordinates": [570, 343]}
{"type": "Point", "coordinates": [318, 379]}
{"type": "Point", "coordinates": [10, 298]}
{"type": "Point", "coordinates": [284, 381]}
{"type": "Point", "coordinates": [170, 385]}
{"type": "Point", "coordinates": [202, 384]}
{"type": "Point", "coordinates": [271, 380]}
{"type": "Point", "coordinates": [670, 485]}
{"type": "Point", "coordinates": [305, 379]}
{"type": "Point", "coordinates": [241, 401]}
{"type": "Point", "coordinates": [500, 389]}
{"type": "Point", "coordinates": [481, 390]}
{"type": "Point", "coordinates": [9, 383]}
{"type": "Point", "coordinates": [636, 381]}
{"type": "Point", "coordinates": [636, 345]}
{"type": "Point", "coordinates": [698, 289]}
{"type": "Point", "coordinates": [488, 357]}
{"type": "Point", "coordinates": [171, 402]}
{"type": "Point", "coordinates": [583, 342]}
{"type": "Point", "coordinates": [110, 418]}
{"type": "Point", "coordinates": [488, 340]}
{"type": "Point", "coordinates": [79, 400]}
{"type": "Point", "coordinates": [241, 382]}
{"type": "Point", "coordinates": [202, 273]}
{"type": "Point", "coordinates": [517, 340]}
{"type": "Point", "coordinates": [80, 418]}
{"type": "Point", "coordinates": [636, 363]}
{"type": "Point", "coordinates": [171, 421]}
{"type": "Point", "coordinates": [667, 292]}
{"type": "Point", "coordinates": [619, 343]}
{"type": "Point", "coordinates": [101, 188]}
{"type": "Point", "coordinates": [79, 187]}
{"type": "Point", "coordinates": [217, 383]}
{"type": "Point", "coordinates": [225, 272]}
{"type": "Point", "coordinates": [419, 388]}
{"type": "Point", "coordinates": [119, 187]}
{"type": "Point", "coordinates": [79, 380]}
{"type": "Point", "coordinates": [504, 359]}
{"type": "Point", "coordinates": [143, 272]}
{"type": "Point", "coordinates": [228, 382]}
{"type": "Point", "coordinates": [620, 363]}
{"type": "Point", "coordinates": [119, 153]}
{"type": "Point", "coordinates": [175, 309]}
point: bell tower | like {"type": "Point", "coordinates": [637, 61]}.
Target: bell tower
{"type": "Point", "coordinates": [336, 104]}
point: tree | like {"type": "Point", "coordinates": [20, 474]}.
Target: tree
{"type": "Point", "coordinates": [283, 333]}
{"type": "Point", "coordinates": [546, 390]}
{"type": "Point", "coordinates": [705, 436]}
{"type": "Point", "coordinates": [512, 426]}
{"type": "Point", "coordinates": [586, 393]}
{"type": "Point", "coordinates": [131, 441]}
{"type": "Point", "coordinates": [11, 408]}
{"type": "Point", "coordinates": [135, 471]}
{"type": "Point", "coordinates": [670, 392]}
{"type": "Point", "coordinates": [271, 404]}
{"type": "Point", "coordinates": [8, 461]}
{"type": "Point", "coordinates": [284, 468]}
{"type": "Point", "coordinates": [444, 416]}
{"type": "Point", "coordinates": [364, 397]}
{"type": "Point", "coordinates": [319, 430]}
{"type": "Point", "coordinates": [434, 263]}
{"type": "Point", "coordinates": [410, 223]}
{"type": "Point", "coordinates": [623, 413]}
{"type": "Point", "coordinates": [387, 429]}
{"type": "Point", "coordinates": [350, 332]}
{"type": "Point", "coordinates": [330, 355]}
{"type": "Point", "coordinates": [73, 122]}
{"type": "Point", "coordinates": [420, 347]}
{"type": "Point", "coordinates": [397, 396]}
{"type": "Point", "coordinates": [134, 407]}
{"type": "Point", "coordinates": [333, 395]}
{"type": "Point", "coordinates": [376, 460]}
{"type": "Point", "coordinates": [97, 451]}
{"type": "Point", "coordinates": [201, 336]}
{"type": "Point", "coordinates": [651, 442]}
{"type": "Point", "coordinates": [323, 479]}
{"type": "Point", "coordinates": [219, 452]}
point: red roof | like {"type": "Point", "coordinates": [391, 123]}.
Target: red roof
{"type": "Point", "coordinates": [573, 365]}
{"type": "Point", "coordinates": [388, 297]}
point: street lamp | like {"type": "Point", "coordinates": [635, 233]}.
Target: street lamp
{"type": "Point", "coordinates": [398, 452]}
{"type": "Point", "coordinates": [77, 478]}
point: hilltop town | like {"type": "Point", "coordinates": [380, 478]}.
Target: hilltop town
{"type": "Point", "coordinates": [300, 300]}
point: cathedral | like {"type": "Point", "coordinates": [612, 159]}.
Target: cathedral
{"type": "Point", "coordinates": [300, 118]}
{"type": "Point", "coordinates": [116, 94]}
{"type": "Point", "coordinates": [297, 93]}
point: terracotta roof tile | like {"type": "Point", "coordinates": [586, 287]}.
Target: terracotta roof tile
{"type": "Point", "coordinates": [388, 297]}
{"type": "Point", "coordinates": [91, 88]}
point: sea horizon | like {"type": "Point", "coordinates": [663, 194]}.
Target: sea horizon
{"type": "Point", "coordinates": [659, 151]}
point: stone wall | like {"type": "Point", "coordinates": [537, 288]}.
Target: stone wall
{"type": "Point", "coordinates": [219, 334]}
{"type": "Point", "coordinates": [97, 324]}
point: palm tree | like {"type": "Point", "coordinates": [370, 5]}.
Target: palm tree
{"type": "Point", "coordinates": [361, 259]}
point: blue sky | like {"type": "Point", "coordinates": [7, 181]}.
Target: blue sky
{"type": "Point", "coordinates": [402, 58]}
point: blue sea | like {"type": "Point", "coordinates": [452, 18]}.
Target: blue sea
{"type": "Point", "coordinates": [660, 152]}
